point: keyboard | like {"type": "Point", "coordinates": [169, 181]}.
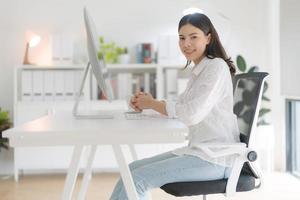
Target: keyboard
{"type": "Point", "coordinates": [132, 115]}
{"type": "Point", "coordinates": [95, 114]}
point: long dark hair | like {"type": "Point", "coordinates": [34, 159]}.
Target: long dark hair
{"type": "Point", "coordinates": [214, 49]}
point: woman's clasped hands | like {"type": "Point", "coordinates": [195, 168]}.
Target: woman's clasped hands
{"type": "Point", "coordinates": [140, 101]}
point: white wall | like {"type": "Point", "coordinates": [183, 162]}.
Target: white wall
{"type": "Point", "coordinates": [290, 47]}
{"type": "Point", "coordinates": [8, 53]}
{"type": "Point", "coordinates": [242, 25]}
{"type": "Point", "coordinates": [289, 50]}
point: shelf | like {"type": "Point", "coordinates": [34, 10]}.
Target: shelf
{"type": "Point", "coordinates": [51, 67]}
{"type": "Point", "coordinates": [132, 68]}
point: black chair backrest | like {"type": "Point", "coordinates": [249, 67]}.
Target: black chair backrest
{"type": "Point", "coordinates": [247, 91]}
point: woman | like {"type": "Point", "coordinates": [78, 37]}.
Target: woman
{"type": "Point", "coordinates": [206, 107]}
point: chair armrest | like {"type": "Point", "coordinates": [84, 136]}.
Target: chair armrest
{"type": "Point", "coordinates": [236, 171]}
{"type": "Point", "coordinates": [223, 145]}
{"type": "Point", "coordinates": [243, 154]}
{"type": "Point", "coordinates": [226, 149]}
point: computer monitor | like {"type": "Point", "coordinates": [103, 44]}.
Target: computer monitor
{"type": "Point", "coordinates": [98, 65]}
{"type": "Point", "coordinates": [98, 69]}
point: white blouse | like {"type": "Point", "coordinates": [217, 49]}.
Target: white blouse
{"type": "Point", "coordinates": [206, 107]}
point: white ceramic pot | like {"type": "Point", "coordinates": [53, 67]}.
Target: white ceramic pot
{"type": "Point", "coordinates": [124, 59]}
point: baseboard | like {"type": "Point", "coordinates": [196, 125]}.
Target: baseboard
{"type": "Point", "coordinates": [62, 171]}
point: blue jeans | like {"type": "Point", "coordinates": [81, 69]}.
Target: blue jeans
{"type": "Point", "coordinates": [166, 168]}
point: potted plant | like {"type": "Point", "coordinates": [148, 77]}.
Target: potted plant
{"type": "Point", "coordinates": [124, 57]}
{"type": "Point", "coordinates": [4, 124]}
{"type": "Point", "coordinates": [110, 51]}
{"type": "Point", "coordinates": [264, 140]}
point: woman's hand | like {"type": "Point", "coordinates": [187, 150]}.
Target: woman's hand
{"type": "Point", "coordinates": [133, 101]}
{"type": "Point", "coordinates": [144, 101]}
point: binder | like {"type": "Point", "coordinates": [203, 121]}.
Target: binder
{"type": "Point", "coordinates": [49, 85]}
{"type": "Point", "coordinates": [66, 49]}
{"type": "Point", "coordinates": [62, 49]}
{"type": "Point", "coordinates": [26, 85]}
{"type": "Point", "coordinates": [69, 84]}
{"type": "Point", "coordinates": [78, 74]}
{"type": "Point", "coordinates": [59, 85]}
{"type": "Point", "coordinates": [174, 50]}
{"type": "Point", "coordinates": [37, 85]}
{"type": "Point", "coordinates": [147, 82]}
{"type": "Point", "coordinates": [163, 48]}
{"type": "Point", "coordinates": [56, 48]}
{"type": "Point", "coordinates": [171, 83]}
{"type": "Point", "coordinates": [139, 53]}
{"type": "Point", "coordinates": [169, 51]}
{"type": "Point", "coordinates": [124, 85]}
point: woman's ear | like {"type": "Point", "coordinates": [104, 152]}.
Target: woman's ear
{"type": "Point", "coordinates": [208, 38]}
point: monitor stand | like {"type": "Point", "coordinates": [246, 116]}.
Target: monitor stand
{"type": "Point", "coordinates": [90, 114]}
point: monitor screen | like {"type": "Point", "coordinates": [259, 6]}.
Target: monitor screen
{"type": "Point", "coordinates": [98, 65]}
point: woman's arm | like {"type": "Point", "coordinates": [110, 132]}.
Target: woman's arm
{"type": "Point", "coordinates": [146, 101]}
{"type": "Point", "coordinates": [159, 106]}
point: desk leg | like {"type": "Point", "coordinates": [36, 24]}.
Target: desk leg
{"type": "Point", "coordinates": [87, 173]}
{"type": "Point", "coordinates": [16, 165]}
{"type": "Point", "coordinates": [72, 173]}
{"type": "Point", "coordinates": [133, 152]}
{"type": "Point", "coordinates": [125, 173]}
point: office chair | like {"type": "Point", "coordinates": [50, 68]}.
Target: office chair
{"type": "Point", "coordinates": [247, 90]}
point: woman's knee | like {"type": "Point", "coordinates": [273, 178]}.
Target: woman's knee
{"type": "Point", "coordinates": [140, 181]}
{"type": "Point", "coordinates": [133, 165]}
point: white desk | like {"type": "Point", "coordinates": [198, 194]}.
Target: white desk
{"type": "Point", "coordinates": [64, 129]}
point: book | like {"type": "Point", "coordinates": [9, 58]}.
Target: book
{"type": "Point", "coordinates": [147, 52]}
{"type": "Point", "coordinates": [144, 53]}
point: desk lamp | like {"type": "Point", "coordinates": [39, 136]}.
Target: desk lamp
{"type": "Point", "coordinates": [32, 43]}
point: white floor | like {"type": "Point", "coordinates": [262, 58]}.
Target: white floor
{"type": "Point", "coordinates": [278, 186]}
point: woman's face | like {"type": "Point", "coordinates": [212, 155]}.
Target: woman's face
{"type": "Point", "coordinates": [192, 42]}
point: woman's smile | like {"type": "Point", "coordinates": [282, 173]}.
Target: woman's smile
{"type": "Point", "coordinates": [189, 51]}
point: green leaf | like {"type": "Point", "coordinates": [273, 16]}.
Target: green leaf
{"type": "Point", "coordinates": [266, 86]}
{"type": "Point", "coordinates": [4, 117]}
{"type": "Point", "coordinates": [109, 51]}
{"type": "Point", "coordinates": [263, 111]}
{"type": "Point", "coordinates": [264, 98]}
{"type": "Point", "coordinates": [3, 143]}
{"type": "Point", "coordinates": [100, 55]}
{"type": "Point", "coordinates": [262, 122]}
{"type": "Point", "coordinates": [253, 69]}
{"type": "Point", "coordinates": [101, 40]}
{"type": "Point", "coordinates": [241, 63]}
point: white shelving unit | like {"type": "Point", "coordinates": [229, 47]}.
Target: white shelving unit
{"type": "Point", "coordinates": [44, 90]}
{"type": "Point", "coordinates": [57, 83]}
{"type": "Point", "coordinates": [41, 91]}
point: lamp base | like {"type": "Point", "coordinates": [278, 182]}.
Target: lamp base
{"type": "Point", "coordinates": [26, 60]}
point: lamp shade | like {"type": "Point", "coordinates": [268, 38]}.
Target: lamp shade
{"type": "Point", "coordinates": [34, 41]}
